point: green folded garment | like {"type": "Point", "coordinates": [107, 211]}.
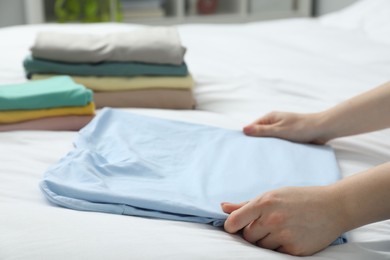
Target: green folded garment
{"type": "Point", "coordinates": [34, 65]}
{"type": "Point", "coordinates": [59, 91]}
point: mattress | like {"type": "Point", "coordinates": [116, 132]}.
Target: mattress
{"type": "Point", "coordinates": [241, 72]}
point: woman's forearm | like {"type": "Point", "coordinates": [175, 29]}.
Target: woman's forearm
{"type": "Point", "coordinates": [366, 112]}
{"type": "Point", "coordinates": [364, 197]}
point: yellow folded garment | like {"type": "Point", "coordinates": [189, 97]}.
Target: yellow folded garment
{"type": "Point", "coordinates": [13, 116]}
{"type": "Point", "coordinates": [127, 83]}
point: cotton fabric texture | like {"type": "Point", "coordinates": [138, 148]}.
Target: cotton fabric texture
{"type": "Point", "coordinates": [149, 44]}
{"type": "Point", "coordinates": [13, 116]}
{"type": "Point", "coordinates": [127, 83]}
{"type": "Point", "coordinates": [130, 164]}
{"type": "Point", "coordinates": [54, 92]}
{"type": "Point", "coordinates": [112, 65]}
{"type": "Point", "coordinates": [147, 98]}
{"type": "Point", "coordinates": [55, 123]}
{"type": "Point", "coordinates": [121, 69]}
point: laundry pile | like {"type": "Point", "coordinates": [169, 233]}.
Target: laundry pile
{"type": "Point", "coordinates": [57, 103]}
{"type": "Point", "coordinates": [141, 68]}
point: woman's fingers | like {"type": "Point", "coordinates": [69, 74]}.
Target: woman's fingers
{"type": "Point", "coordinates": [259, 130]}
{"type": "Point", "coordinates": [242, 217]}
{"type": "Point", "coordinates": [268, 119]}
{"type": "Point", "coordinates": [266, 125]}
{"type": "Point", "coordinates": [303, 128]}
{"type": "Point", "coordinates": [255, 231]}
{"type": "Point", "coordinates": [269, 242]}
{"type": "Point", "coordinates": [228, 207]}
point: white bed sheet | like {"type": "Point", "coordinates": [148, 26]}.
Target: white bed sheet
{"type": "Point", "coordinates": [241, 73]}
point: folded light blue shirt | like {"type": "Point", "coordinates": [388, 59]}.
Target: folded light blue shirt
{"type": "Point", "coordinates": [137, 165]}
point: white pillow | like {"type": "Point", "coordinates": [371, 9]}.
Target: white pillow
{"type": "Point", "coordinates": [370, 16]}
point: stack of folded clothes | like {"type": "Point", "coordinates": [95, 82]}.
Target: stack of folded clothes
{"type": "Point", "coordinates": [57, 103]}
{"type": "Point", "coordinates": [140, 68]}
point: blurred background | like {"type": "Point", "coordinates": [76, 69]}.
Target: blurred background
{"type": "Point", "coordinates": [160, 12]}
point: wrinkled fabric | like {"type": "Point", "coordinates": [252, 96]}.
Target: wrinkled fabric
{"type": "Point", "coordinates": [137, 165]}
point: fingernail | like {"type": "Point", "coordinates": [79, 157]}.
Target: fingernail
{"type": "Point", "coordinates": [248, 130]}
{"type": "Point", "coordinates": [225, 203]}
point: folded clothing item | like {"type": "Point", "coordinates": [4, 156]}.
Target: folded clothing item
{"type": "Point", "coordinates": [12, 116]}
{"type": "Point", "coordinates": [127, 83]}
{"type": "Point", "coordinates": [34, 65]}
{"type": "Point", "coordinates": [54, 92]}
{"type": "Point", "coordinates": [147, 44]}
{"type": "Point", "coordinates": [137, 165]}
{"type": "Point", "coordinates": [146, 98]}
{"type": "Point", "coordinates": [56, 123]}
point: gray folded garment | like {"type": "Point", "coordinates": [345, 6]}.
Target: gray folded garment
{"type": "Point", "coordinates": [150, 45]}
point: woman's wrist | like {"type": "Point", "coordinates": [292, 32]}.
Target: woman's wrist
{"type": "Point", "coordinates": [323, 129]}
{"type": "Point", "coordinates": [339, 204]}
{"type": "Point", "coordinates": [362, 197]}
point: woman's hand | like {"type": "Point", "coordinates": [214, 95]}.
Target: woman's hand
{"type": "Point", "coordinates": [293, 220]}
{"type": "Point", "coordinates": [305, 128]}
{"type": "Point", "coordinates": [304, 220]}
{"type": "Point", "coordinates": [364, 113]}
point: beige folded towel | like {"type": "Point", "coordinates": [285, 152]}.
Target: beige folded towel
{"type": "Point", "coordinates": [146, 98]}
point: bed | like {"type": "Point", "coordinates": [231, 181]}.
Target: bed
{"type": "Point", "coordinates": [241, 72]}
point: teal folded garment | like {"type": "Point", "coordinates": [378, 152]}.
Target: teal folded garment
{"type": "Point", "coordinates": [33, 65]}
{"type": "Point", "coordinates": [59, 91]}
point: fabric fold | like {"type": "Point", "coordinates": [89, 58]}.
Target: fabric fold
{"type": "Point", "coordinates": [127, 83]}
{"type": "Point", "coordinates": [147, 44]}
{"type": "Point", "coordinates": [14, 116]}
{"type": "Point", "coordinates": [34, 66]}
{"type": "Point", "coordinates": [146, 98]}
{"type": "Point", "coordinates": [56, 123]}
{"type": "Point", "coordinates": [58, 91]}
{"type": "Point", "coordinates": [125, 163]}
